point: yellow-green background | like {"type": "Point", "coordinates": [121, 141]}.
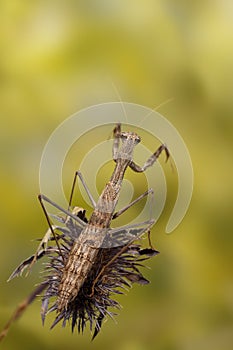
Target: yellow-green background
{"type": "Point", "coordinates": [57, 57]}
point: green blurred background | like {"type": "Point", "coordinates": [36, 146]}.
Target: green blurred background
{"type": "Point", "coordinates": [58, 57]}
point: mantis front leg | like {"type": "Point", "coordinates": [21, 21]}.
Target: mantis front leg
{"type": "Point", "coordinates": [151, 160]}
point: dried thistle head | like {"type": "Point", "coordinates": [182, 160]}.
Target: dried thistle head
{"type": "Point", "coordinates": [114, 270]}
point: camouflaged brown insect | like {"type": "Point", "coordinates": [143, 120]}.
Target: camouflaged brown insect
{"type": "Point", "coordinates": [93, 261]}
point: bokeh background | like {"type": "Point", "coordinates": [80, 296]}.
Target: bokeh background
{"type": "Point", "coordinates": [58, 57]}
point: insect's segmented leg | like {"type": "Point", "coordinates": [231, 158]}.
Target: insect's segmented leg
{"type": "Point", "coordinates": [149, 240]}
{"type": "Point", "coordinates": [43, 247]}
{"type": "Point", "coordinates": [78, 173]}
{"type": "Point", "coordinates": [132, 203]}
{"type": "Point", "coordinates": [72, 189]}
{"type": "Point", "coordinates": [150, 161]}
{"type": "Point", "coordinates": [67, 212]}
{"type": "Point", "coordinates": [116, 141]}
{"type": "Point", "coordinates": [41, 197]}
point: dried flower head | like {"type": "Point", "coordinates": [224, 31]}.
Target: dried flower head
{"type": "Point", "coordinates": [114, 271]}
